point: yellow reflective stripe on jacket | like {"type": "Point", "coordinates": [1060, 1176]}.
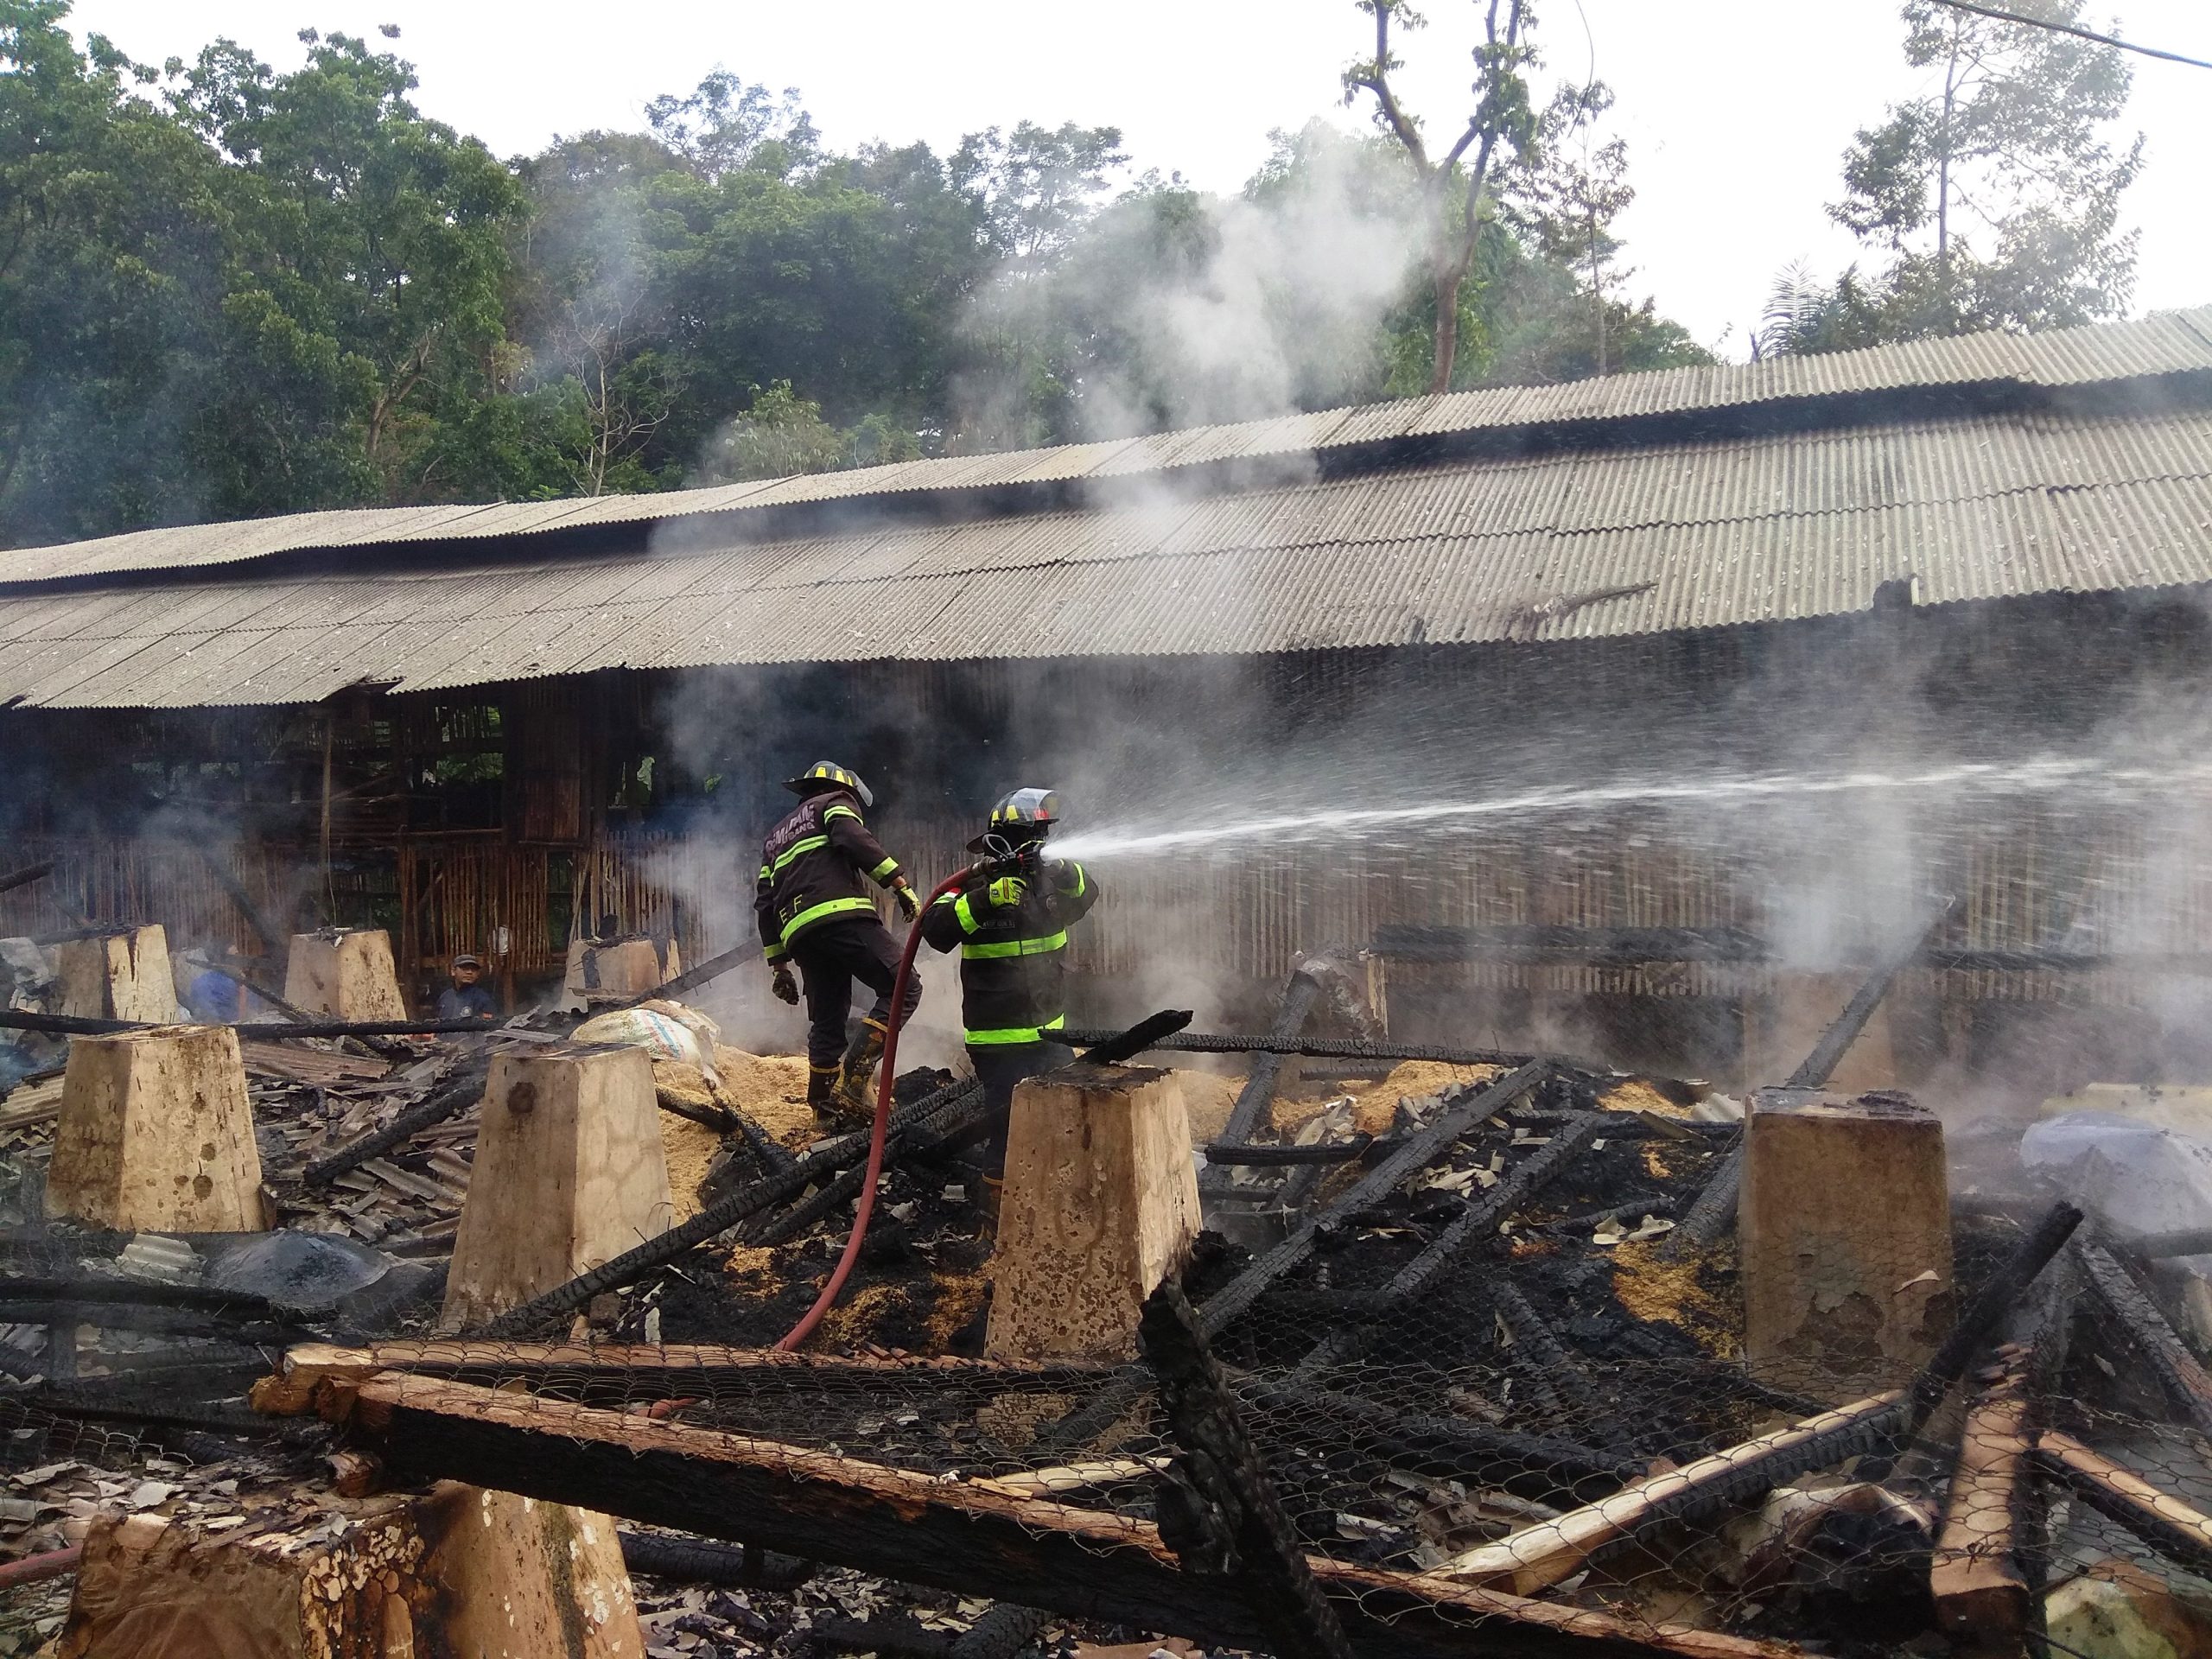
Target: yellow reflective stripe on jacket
{"type": "Point", "coordinates": [1012, 1035]}
{"type": "Point", "coordinates": [841, 812]}
{"type": "Point", "coordinates": [966, 912]}
{"type": "Point", "coordinates": [1082, 883]}
{"type": "Point", "coordinates": [1036, 947]}
{"type": "Point", "coordinates": [814, 914]}
{"type": "Point", "coordinates": [811, 844]}
{"type": "Point", "coordinates": [887, 867]}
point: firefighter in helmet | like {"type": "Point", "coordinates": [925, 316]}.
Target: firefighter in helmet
{"type": "Point", "coordinates": [1009, 922]}
{"type": "Point", "coordinates": [813, 909]}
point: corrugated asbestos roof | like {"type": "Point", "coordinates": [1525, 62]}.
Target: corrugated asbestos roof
{"type": "Point", "coordinates": [1566, 544]}
{"type": "Point", "coordinates": [2174, 343]}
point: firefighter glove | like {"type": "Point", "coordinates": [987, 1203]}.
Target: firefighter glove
{"type": "Point", "coordinates": [1006, 892]}
{"type": "Point", "coordinates": [785, 985]}
{"type": "Point", "coordinates": [909, 902]}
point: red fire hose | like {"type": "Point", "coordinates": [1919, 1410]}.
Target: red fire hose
{"type": "Point", "coordinates": [799, 1332]}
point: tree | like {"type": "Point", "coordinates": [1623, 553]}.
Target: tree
{"type": "Point", "coordinates": [1455, 187]}
{"type": "Point", "coordinates": [1577, 188]}
{"type": "Point", "coordinates": [1997, 194]}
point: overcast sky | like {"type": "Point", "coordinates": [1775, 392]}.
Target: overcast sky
{"type": "Point", "coordinates": [1736, 111]}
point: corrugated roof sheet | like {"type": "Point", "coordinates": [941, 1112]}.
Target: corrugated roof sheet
{"type": "Point", "coordinates": [1569, 544]}
{"type": "Point", "coordinates": [2174, 343]}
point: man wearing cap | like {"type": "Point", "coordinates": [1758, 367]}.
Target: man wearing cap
{"type": "Point", "coordinates": [468, 997]}
{"type": "Point", "coordinates": [813, 905]}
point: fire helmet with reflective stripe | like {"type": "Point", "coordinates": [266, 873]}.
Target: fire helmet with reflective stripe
{"type": "Point", "coordinates": [827, 775]}
{"type": "Point", "coordinates": [1025, 815]}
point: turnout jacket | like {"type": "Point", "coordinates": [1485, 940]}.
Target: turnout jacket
{"type": "Point", "coordinates": [811, 870]}
{"type": "Point", "coordinates": [1013, 960]}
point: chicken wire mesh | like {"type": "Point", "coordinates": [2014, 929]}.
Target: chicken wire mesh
{"type": "Point", "coordinates": [1486, 1381]}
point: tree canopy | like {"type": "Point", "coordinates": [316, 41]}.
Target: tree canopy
{"type": "Point", "coordinates": [229, 288]}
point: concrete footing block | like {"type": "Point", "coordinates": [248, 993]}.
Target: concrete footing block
{"type": "Point", "coordinates": [156, 1133]}
{"type": "Point", "coordinates": [119, 973]}
{"type": "Point", "coordinates": [1100, 1203]}
{"type": "Point", "coordinates": [347, 973]}
{"type": "Point", "coordinates": [1846, 1231]}
{"type": "Point", "coordinates": [570, 1171]}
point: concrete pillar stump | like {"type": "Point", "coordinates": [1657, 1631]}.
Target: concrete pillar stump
{"type": "Point", "coordinates": [619, 971]}
{"type": "Point", "coordinates": [157, 1135]}
{"type": "Point", "coordinates": [570, 1171]}
{"type": "Point", "coordinates": [462, 1571]}
{"type": "Point", "coordinates": [1844, 1225]}
{"type": "Point", "coordinates": [346, 973]}
{"type": "Point", "coordinates": [1100, 1203]}
{"type": "Point", "coordinates": [121, 974]}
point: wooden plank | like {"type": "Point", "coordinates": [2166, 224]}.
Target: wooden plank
{"type": "Point", "coordinates": [1542, 1555]}
{"type": "Point", "coordinates": [1980, 1590]}
{"type": "Point", "coordinates": [953, 1535]}
{"type": "Point", "coordinates": [2177, 1529]}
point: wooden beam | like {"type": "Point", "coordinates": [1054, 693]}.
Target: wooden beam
{"type": "Point", "coordinates": [2185, 1381]}
{"type": "Point", "coordinates": [1980, 1593]}
{"type": "Point", "coordinates": [1540, 1555]}
{"type": "Point", "coordinates": [951, 1534]}
{"type": "Point", "coordinates": [2175, 1528]}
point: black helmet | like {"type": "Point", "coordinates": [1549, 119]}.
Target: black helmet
{"type": "Point", "coordinates": [1025, 815]}
{"type": "Point", "coordinates": [826, 775]}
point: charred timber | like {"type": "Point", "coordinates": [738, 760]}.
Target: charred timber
{"type": "Point", "coordinates": [1458, 1110]}
{"type": "Point", "coordinates": [1325, 1049]}
{"type": "Point", "coordinates": [70, 1025]}
{"type": "Point", "coordinates": [2178, 1370]}
{"type": "Point", "coordinates": [1835, 1042]}
{"type": "Point", "coordinates": [1217, 1508]}
{"type": "Point", "coordinates": [912, 1526]}
{"type": "Point", "coordinates": [696, 1560]}
{"type": "Point", "coordinates": [1256, 1100]}
{"type": "Point", "coordinates": [457, 1096]}
{"type": "Point", "coordinates": [25, 877]}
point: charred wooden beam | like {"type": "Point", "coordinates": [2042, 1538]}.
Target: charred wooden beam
{"type": "Point", "coordinates": [1623, 947]}
{"type": "Point", "coordinates": [1713, 1212]}
{"type": "Point", "coordinates": [697, 1560]}
{"type": "Point", "coordinates": [2185, 1380]}
{"type": "Point", "coordinates": [25, 877]}
{"type": "Point", "coordinates": [271, 937]}
{"type": "Point", "coordinates": [948, 1126]}
{"type": "Point", "coordinates": [1324, 1049]}
{"type": "Point", "coordinates": [1256, 1099]}
{"type": "Point", "coordinates": [1979, 1588]}
{"type": "Point", "coordinates": [1217, 1508]}
{"type": "Point", "coordinates": [457, 1096]}
{"type": "Point", "coordinates": [1148, 1032]}
{"type": "Point", "coordinates": [1458, 1110]}
{"type": "Point", "coordinates": [692, 978]}
{"type": "Point", "coordinates": [1542, 1555]}
{"type": "Point", "coordinates": [1835, 1042]}
{"type": "Point", "coordinates": [67, 1024]}
{"type": "Point", "coordinates": [915, 1527]}
{"type": "Point", "coordinates": [2175, 1528]}
{"type": "Point", "coordinates": [1219, 1154]}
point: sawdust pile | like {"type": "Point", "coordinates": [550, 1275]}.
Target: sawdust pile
{"type": "Point", "coordinates": [1636, 1094]}
{"type": "Point", "coordinates": [691, 1147]}
{"type": "Point", "coordinates": [771, 1089]}
{"type": "Point", "coordinates": [1208, 1097]}
{"type": "Point", "coordinates": [1375, 1106]}
{"type": "Point", "coordinates": [1668, 1292]}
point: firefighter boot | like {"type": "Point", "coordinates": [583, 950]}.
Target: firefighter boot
{"type": "Point", "coordinates": [857, 1073]}
{"type": "Point", "coordinates": [822, 1093]}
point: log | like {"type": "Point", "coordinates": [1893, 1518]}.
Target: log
{"type": "Point", "coordinates": [1458, 1110]}
{"type": "Point", "coordinates": [570, 1171]}
{"type": "Point", "coordinates": [1542, 1555]}
{"type": "Point", "coordinates": [1980, 1591]}
{"type": "Point", "coordinates": [1101, 1204]}
{"type": "Point", "coordinates": [1845, 1228]}
{"type": "Point", "coordinates": [457, 1096]}
{"type": "Point", "coordinates": [27, 874]}
{"type": "Point", "coordinates": [912, 1526]}
{"type": "Point", "coordinates": [1320, 1048]}
{"type": "Point", "coordinates": [157, 1135]}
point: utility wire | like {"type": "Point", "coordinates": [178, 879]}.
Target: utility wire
{"type": "Point", "coordinates": [2070, 28]}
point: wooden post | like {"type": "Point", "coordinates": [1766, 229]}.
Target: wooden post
{"type": "Point", "coordinates": [156, 1133]}
{"type": "Point", "coordinates": [619, 972]}
{"type": "Point", "coordinates": [1101, 1204]}
{"type": "Point", "coordinates": [1845, 1229]}
{"type": "Point", "coordinates": [120, 975]}
{"type": "Point", "coordinates": [461, 1571]}
{"type": "Point", "coordinates": [570, 1171]}
{"type": "Point", "coordinates": [347, 972]}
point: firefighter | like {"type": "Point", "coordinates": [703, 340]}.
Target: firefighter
{"type": "Point", "coordinates": [813, 909]}
{"type": "Point", "coordinates": [1009, 922]}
